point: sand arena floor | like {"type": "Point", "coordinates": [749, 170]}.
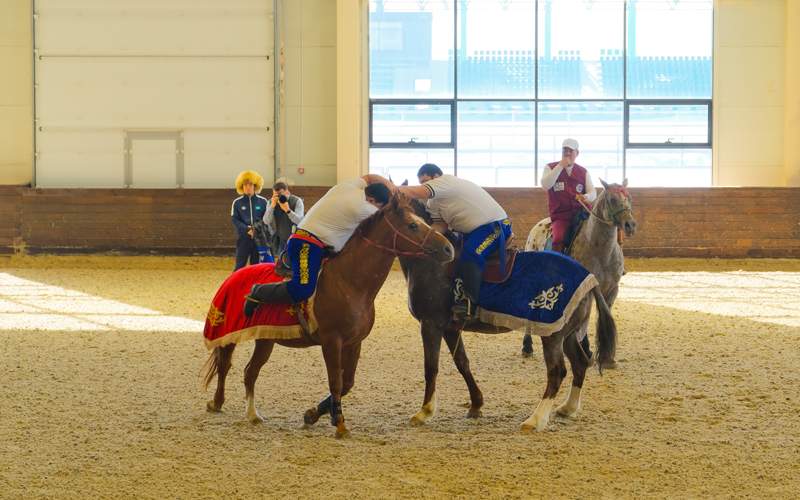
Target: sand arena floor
{"type": "Point", "coordinates": [101, 397]}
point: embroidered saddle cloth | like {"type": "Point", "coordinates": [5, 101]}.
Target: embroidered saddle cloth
{"type": "Point", "coordinates": [542, 292]}
{"type": "Point", "coordinates": [226, 323]}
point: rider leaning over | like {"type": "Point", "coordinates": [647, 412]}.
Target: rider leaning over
{"type": "Point", "coordinates": [467, 208]}
{"type": "Point", "coordinates": [566, 183]}
{"type": "Point", "coordinates": [329, 224]}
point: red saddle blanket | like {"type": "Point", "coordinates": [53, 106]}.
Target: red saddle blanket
{"type": "Point", "coordinates": [226, 322]}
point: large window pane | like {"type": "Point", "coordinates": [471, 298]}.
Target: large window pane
{"type": "Point", "coordinates": [669, 48]}
{"type": "Point", "coordinates": [402, 164]}
{"type": "Point", "coordinates": [411, 48]}
{"type": "Point", "coordinates": [668, 124]}
{"type": "Point", "coordinates": [580, 48]}
{"type": "Point", "coordinates": [597, 126]}
{"type": "Point", "coordinates": [411, 123]}
{"type": "Point", "coordinates": [496, 47]}
{"type": "Point", "coordinates": [495, 143]}
{"type": "Point", "coordinates": [669, 167]}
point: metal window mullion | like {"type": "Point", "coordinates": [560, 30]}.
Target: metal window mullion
{"type": "Point", "coordinates": [453, 117]}
{"type": "Point", "coordinates": [536, 92]}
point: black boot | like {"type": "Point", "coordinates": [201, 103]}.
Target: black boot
{"type": "Point", "coordinates": [268, 293]}
{"type": "Point", "coordinates": [466, 290]}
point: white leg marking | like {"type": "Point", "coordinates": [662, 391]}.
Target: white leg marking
{"type": "Point", "coordinates": [252, 413]}
{"type": "Point", "coordinates": [428, 410]}
{"type": "Point", "coordinates": [540, 417]}
{"type": "Point", "coordinates": [573, 403]}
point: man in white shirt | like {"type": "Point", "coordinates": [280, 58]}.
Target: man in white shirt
{"type": "Point", "coordinates": [329, 224]}
{"type": "Point", "coordinates": [465, 207]}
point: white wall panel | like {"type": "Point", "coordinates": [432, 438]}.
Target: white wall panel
{"type": "Point", "coordinates": [201, 68]}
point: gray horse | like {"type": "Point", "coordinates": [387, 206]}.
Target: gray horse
{"type": "Point", "coordinates": [596, 245]}
{"type": "Point", "coordinates": [430, 300]}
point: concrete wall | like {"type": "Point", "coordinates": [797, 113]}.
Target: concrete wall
{"type": "Point", "coordinates": [16, 93]}
{"type": "Point", "coordinates": [792, 94]}
{"type": "Point", "coordinates": [307, 143]}
{"type": "Point", "coordinates": [749, 92]}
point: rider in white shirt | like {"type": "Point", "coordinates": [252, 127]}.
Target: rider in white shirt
{"type": "Point", "coordinates": [465, 207]}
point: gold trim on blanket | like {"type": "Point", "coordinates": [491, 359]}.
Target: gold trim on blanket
{"type": "Point", "coordinates": [270, 332]}
{"type": "Point", "coordinates": [538, 328]}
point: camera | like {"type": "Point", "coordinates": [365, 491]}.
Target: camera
{"type": "Point", "coordinates": [282, 198]}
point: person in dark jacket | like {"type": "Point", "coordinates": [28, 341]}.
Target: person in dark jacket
{"type": "Point", "coordinates": [246, 210]}
{"type": "Point", "coordinates": [283, 215]}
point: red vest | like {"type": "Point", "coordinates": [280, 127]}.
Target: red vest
{"type": "Point", "coordinates": [561, 197]}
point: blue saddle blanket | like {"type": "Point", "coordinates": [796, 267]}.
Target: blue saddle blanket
{"type": "Point", "coordinates": [542, 292]}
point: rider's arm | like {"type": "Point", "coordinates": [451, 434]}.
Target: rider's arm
{"type": "Point", "coordinates": [378, 179]}
{"type": "Point", "coordinates": [591, 193]}
{"type": "Point", "coordinates": [550, 175]}
{"type": "Point", "coordinates": [420, 192]}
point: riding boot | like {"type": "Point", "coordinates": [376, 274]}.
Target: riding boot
{"type": "Point", "coordinates": [267, 293]}
{"type": "Point", "coordinates": [466, 291]}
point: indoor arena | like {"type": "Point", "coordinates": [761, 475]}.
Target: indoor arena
{"type": "Point", "coordinates": [399, 248]}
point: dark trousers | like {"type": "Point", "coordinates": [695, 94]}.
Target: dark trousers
{"type": "Point", "coordinates": [245, 251]}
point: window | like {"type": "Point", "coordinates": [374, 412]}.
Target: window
{"type": "Point", "coordinates": [488, 89]}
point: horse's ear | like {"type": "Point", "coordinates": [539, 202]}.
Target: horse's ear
{"type": "Point", "coordinates": [395, 202]}
{"type": "Point", "coordinates": [405, 183]}
{"type": "Point", "coordinates": [605, 186]}
{"type": "Point", "coordinates": [625, 182]}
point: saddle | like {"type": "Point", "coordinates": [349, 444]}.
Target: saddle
{"type": "Point", "coordinates": [493, 273]}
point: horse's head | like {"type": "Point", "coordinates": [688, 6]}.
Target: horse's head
{"type": "Point", "coordinates": [617, 206]}
{"type": "Point", "coordinates": [411, 235]}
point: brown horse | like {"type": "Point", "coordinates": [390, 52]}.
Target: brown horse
{"type": "Point", "coordinates": [344, 306]}
{"type": "Point", "coordinates": [430, 300]}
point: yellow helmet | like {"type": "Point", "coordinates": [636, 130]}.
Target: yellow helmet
{"type": "Point", "coordinates": [250, 176]}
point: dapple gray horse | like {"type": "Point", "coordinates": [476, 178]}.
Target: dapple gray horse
{"type": "Point", "coordinates": [596, 245]}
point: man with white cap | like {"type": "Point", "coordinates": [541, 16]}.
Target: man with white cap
{"type": "Point", "coordinates": [566, 182]}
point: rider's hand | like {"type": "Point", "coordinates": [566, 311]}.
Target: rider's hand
{"type": "Point", "coordinates": [582, 198]}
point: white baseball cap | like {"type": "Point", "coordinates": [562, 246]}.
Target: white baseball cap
{"type": "Point", "coordinates": [571, 144]}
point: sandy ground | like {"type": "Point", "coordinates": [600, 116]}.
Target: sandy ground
{"type": "Point", "coordinates": [101, 395]}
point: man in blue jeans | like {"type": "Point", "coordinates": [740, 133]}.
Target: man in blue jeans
{"type": "Point", "coordinates": [465, 207]}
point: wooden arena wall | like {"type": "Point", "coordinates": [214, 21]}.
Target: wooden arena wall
{"type": "Point", "coordinates": [672, 222]}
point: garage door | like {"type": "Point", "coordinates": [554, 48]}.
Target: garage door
{"type": "Point", "coordinates": [153, 93]}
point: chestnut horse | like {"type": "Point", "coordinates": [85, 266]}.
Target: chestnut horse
{"type": "Point", "coordinates": [344, 306]}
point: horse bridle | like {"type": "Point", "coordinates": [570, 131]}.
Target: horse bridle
{"type": "Point", "coordinates": [394, 250]}
{"type": "Point", "coordinates": [613, 217]}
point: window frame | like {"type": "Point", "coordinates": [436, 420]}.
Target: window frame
{"type": "Point", "coordinates": [412, 144]}
{"type": "Point", "coordinates": [627, 144]}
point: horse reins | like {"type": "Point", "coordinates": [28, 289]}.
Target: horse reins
{"type": "Point", "coordinates": [612, 222]}
{"type": "Point", "coordinates": [394, 251]}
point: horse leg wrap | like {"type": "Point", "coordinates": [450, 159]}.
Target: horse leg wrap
{"type": "Point", "coordinates": [336, 411]}
{"type": "Point", "coordinates": [324, 406]}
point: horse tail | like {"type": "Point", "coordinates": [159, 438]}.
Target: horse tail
{"type": "Point", "coordinates": [211, 368]}
{"type": "Point", "coordinates": [606, 330]}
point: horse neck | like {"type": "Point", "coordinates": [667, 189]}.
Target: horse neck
{"type": "Point", "coordinates": [360, 266]}
{"type": "Point", "coordinates": [598, 235]}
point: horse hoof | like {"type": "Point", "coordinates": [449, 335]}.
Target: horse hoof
{"type": "Point", "coordinates": [417, 421]}
{"type": "Point", "coordinates": [342, 432]}
{"type": "Point", "coordinates": [311, 417]}
{"type": "Point", "coordinates": [212, 407]}
{"type": "Point", "coordinates": [527, 428]}
{"type": "Point", "coordinates": [609, 365]}
{"type": "Point", "coordinates": [255, 419]}
{"type": "Point", "coordinates": [527, 354]}
{"type": "Point", "coordinates": [474, 413]}
{"type": "Point", "coordinates": [564, 411]}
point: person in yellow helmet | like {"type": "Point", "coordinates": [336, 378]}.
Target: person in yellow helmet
{"type": "Point", "coordinates": [246, 210]}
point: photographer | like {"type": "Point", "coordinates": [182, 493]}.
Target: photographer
{"type": "Point", "coordinates": [285, 212]}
